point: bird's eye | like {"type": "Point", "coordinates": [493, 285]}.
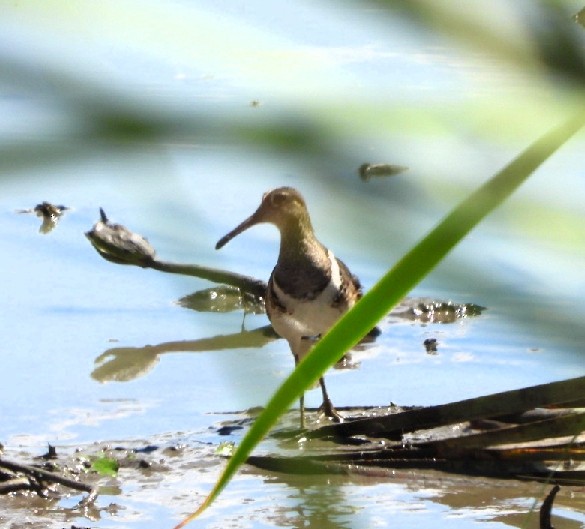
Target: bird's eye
{"type": "Point", "coordinates": [278, 199]}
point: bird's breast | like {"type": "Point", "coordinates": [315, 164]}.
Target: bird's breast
{"type": "Point", "coordinates": [309, 312]}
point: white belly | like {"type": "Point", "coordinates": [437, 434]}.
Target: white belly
{"type": "Point", "coordinates": [302, 319]}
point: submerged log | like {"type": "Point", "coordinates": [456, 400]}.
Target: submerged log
{"type": "Point", "coordinates": [524, 442]}
{"type": "Point", "coordinates": [491, 406]}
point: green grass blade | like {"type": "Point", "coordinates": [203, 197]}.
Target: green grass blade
{"type": "Point", "coordinates": [397, 282]}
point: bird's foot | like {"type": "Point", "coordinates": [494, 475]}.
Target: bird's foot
{"type": "Point", "coordinates": [330, 412]}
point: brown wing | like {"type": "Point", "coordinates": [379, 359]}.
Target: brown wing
{"type": "Point", "coordinates": [351, 284]}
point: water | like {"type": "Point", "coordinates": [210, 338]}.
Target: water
{"type": "Point", "coordinates": [68, 312]}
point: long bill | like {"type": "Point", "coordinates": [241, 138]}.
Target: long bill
{"type": "Point", "coordinates": [248, 223]}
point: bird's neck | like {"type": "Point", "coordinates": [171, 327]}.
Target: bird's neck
{"type": "Point", "coordinates": [298, 244]}
{"type": "Point", "coordinates": [303, 262]}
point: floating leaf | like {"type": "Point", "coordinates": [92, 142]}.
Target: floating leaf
{"type": "Point", "coordinates": [106, 466]}
{"type": "Point", "coordinates": [225, 449]}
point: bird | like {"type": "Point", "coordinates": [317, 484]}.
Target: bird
{"type": "Point", "coordinates": [309, 288]}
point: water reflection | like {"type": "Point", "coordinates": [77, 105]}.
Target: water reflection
{"type": "Point", "coordinates": [345, 501]}
{"type": "Point", "coordinates": [122, 364]}
{"type": "Point", "coordinates": [319, 502]}
{"type": "Point", "coordinates": [223, 298]}
{"type": "Point", "coordinates": [49, 213]}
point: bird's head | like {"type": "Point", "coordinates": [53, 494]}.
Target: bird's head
{"type": "Point", "coordinates": [284, 207]}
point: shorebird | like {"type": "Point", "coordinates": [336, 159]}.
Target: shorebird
{"type": "Point", "coordinates": [309, 288]}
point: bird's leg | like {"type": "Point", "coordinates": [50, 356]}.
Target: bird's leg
{"type": "Point", "coordinates": [327, 407]}
{"type": "Point", "coordinates": [301, 400]}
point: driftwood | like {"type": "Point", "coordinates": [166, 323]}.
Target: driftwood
{"type": "Point", "coordinates": [120, 245]}
{"type": "Point", "coordinates": [33, 476]}
{"type": "Point", "coordinates": [522, 439]}
{"type": "Point", "coordinates": [505, 403]}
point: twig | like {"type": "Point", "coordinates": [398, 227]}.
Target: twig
{"type": "Point", "coordinates": [546, 508]}
{"type": "Point", "coordinates": [14, 484]}
{"type": "Point", "coordinates": [45, 475]}
{"type": "Point", "coordinates": [256, 287]}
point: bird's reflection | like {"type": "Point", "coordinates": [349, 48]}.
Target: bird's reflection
{"type": "Point", "coordinates": [121, 364]}
{"type": "Point", "coordinates": [318, 501]}
{"type": "Point", "coordinates": [50, 214]}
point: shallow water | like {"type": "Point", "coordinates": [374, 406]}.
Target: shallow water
{"type": "Point", "coordinates": [68, 313]}
{"type": "Point", "coordinates": [180, 468]}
